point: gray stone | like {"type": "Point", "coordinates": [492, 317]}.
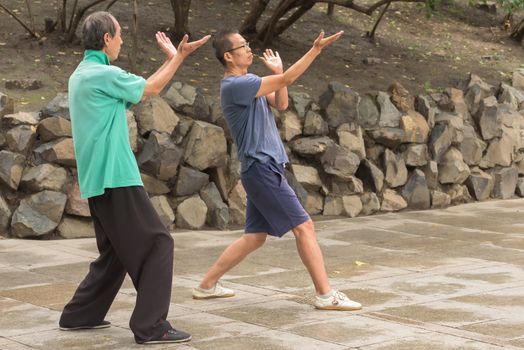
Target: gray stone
{"type": "Point", "coordinates": [57, 107]}
{"type": "Point", "coordinates": [389, 137]}
{"type": "Point", "coordinates": [340, 162]}
{"type": "Point", "coordinates": [371, 175]}
{"type": "Point", "coordinates": [38, 214]}
{"type": "Point", "coordinates": [392, 201]}
{"type": "Point", "coordinates": [370, 203]}
{"type": "Point", "coordinates": [7, 105]}
{"type": "Point", "coordinates": [415, 154]}
{"type": "Point", "coordinates": [395, 171]}
{"type": "Point", "coordinates": [23, 84]}
{"type": "Point", "coordinates": [20, 118]}
{"type": "Point", "coordinates": [153, 186]}
{"type": "Point", "coordinates": [333, 206]}
{"type": "Point", "coordinates": [519, 189]}
{"type": "Point", "coordinates": [307, 176]}
{"type": "Point", "coordinates": [154, 114]}
{"type": "Point", "coordinates": [476, 91]}
{"type": "Point", "coordinates": [340, 104]}
{"type": "Point", "coordinates": [459, 194]}
{"type": "Point", "coordinates": [510, 96]}
{"type": "Point", "coordinates": [440, 199]}
{"type": "Point", "coordinates": [439, 141]}
{"type": "Point", "coordinates": [504, 182]}
{"type": "Point", "coordinates": [217, 210]}
{"type": "Point", "coordinates": [164, 210]}
{"type": "Point", "coordinates": [191, 213]}
{"type": "Point", "coordinates": [454, 123]}
{"type": "Point", "coordinates": [315, 125]}
{"type": "Point", "coordinates": [237, 200]}
{"type": "Point", "coordinates": [60, 151]}
{"type": "Point", "coordinates": [297, 187]}
{"type": "Point", "coordinates": [44, 177]}
{"type": "Point", "coordinates": [458, 103]}
{"type": "Point", "coordinates": [480, 184]}
{"type": "Point", "coordinates": [423, 106]}
{"type": "Point", "coordinates": [350, 137]}
{"type": "Point", "coordinates": [314, 203]}
{"type": "Point", "coordinates": [53, 128]}
{"type": "Point", "coordinates": [206, 146]}
{"type": "Point", "coordinates": [182, 129]}
{"type": "Point", "coordinates": [75, 204]}
{"type": "Point", "coordinates": [160, 156]}
{"type": "Point", "coordinates": [291, 126]}
{"type": "Point", "coordinates": [11, 167]}
{"type": "Point", "coordinates": [401, 98]}
{"type": "Point", "coordinates": [499, 152]}
{"type": "Point", "coordinates": [518, 79]}
{"type": "Point", "coordinates": [431, 173]}
{"type": "Point", "coordinates": [415, 128]}
{"type": "Point", "coordinates": [190, 181]}
{"type": "Point", "coordinates": [389, 114]}
{"type": "Point", "coordinates": [311, 146]}
{"type": "Point", "coordinates": [76, 228]}
{"type": "Point", "coordinates": [452, 169]}
{"type": "Point", "coordinates": [352, 205]}
{"type": "Point", "coordinates": [301, 102]}
{"type": "Point", "coordinates": [5, 216]}
{"type": "Point", "coordinates": [368, 112]}
{"type": "Point", "coordinates": [488, 118]}
{"type": "Point", "coordinates": [352, 185]}
{"type": "Point", "coordinates": [20, 138]}
{"type": "Point", "coordinates": [416, 191]}
{"type": "Point", "coordinates": [472, 147]}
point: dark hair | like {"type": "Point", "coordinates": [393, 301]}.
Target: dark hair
{"type": "Point", "coordinates": [94, 27]}
{"type": "Point", "coordinates": [221, 44]}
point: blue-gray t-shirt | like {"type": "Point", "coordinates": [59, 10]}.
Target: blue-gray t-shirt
{"type": "Point", "coordinates": [250, 121]}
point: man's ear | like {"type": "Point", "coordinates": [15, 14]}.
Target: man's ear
{"type": "Point", "coordinates": [107, 37]}
{"type": "Point", "coordinates": [228, 57]}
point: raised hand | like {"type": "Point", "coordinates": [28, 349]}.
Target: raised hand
{"type": "Point", "coordinates": [272, 61]}
{"type": "Point", "coordinates": [165, 44]}
{"type": "Point", "coordinates": [185, 48]}
{"type": "Point", "coordinates": [321, 42]}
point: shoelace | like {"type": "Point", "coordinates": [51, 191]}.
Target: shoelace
{"type": "Point", "coordinates": [338, 296]}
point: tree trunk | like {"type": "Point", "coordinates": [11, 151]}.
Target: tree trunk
{"type": "Point", "coordinates": [267, 32]}
{"type": "Point", "coordinates": [134, 49]}
{"type": "Point", "coordinates": [181, 11]}
{"type": "Point", "coordinates": [330, 10]}
{"type": "Point", "coordinates": [517, 32]}
{"type": "Point", "coordinates": [371, 35]}
{"type": "Point", "coordinates": [283, 25]}
{"type": "Point", "coordinates": [15, 17]}
{"type": "Point", "coordinates": [249, 25]}
{"type": "Point", "coordinates": [77, 18]}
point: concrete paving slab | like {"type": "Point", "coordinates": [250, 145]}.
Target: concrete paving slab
{"type": "Point", "coordinates": [439, 279]}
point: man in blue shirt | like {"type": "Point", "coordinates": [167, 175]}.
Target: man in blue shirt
{"type": "Point", "coordinates": [129, 234]}
{"type": "Point", "coordinates": [272, 206]}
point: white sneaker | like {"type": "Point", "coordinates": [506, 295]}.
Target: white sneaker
{"type": "Point", "coordinates": [337, 301]}
{"type": "Point", "coordinates": [218, 292]}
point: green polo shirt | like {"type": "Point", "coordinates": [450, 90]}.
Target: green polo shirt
{"type": "Point", "coordinates": [99, 94]}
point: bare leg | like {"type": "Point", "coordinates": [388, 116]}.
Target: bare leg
{"type": "Point", "coordinates": [311, 255]}
{"type": "Point", "coordinates": [233, 255]}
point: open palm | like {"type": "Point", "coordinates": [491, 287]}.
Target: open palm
{"type": "Point", "coordinates": [273, 61]}
{"type": "Point", "coordinates": [321, 42]}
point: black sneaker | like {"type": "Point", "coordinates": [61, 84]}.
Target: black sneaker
{"type": "Point", "coordinates": [103, 324]}
{"type": "Point", "coordinates": [171, 336]}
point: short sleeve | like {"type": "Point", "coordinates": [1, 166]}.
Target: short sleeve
{"type": "Point", "coordinates": [126, 86]}
{"type": "Point", "coordinates": [245, 88]}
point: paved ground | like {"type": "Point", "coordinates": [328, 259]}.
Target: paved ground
{"type": "Point", "coordinates": [441, 279]}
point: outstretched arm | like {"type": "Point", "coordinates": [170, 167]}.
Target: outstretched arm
{"type": "Point", "coordinates": [276, 82]}
{"type": "Point", "coordinates": [174, 58]}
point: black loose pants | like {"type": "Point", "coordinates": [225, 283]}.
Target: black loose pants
{"type": "Point", "coordinates": [130, 238]}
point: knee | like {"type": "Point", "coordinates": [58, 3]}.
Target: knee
{"type": "Point", "coordinates": [305, 229]}
{"type": "Point", "coordinates": [255, 241]}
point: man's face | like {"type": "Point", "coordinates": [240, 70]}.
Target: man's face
{"type": "Point", "coordinates": [240, 54]}
{"type": "Point", "coordinates": [113, 44]}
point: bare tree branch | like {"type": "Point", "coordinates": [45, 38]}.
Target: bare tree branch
{"type": "Point", "coordinates": [12, 14]}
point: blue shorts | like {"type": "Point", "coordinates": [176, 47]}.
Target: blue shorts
{"type": "Point", "coordinates": [272, 205]}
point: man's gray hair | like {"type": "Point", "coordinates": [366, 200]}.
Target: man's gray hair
{"type": "Point", "coordinates": [94, 27]}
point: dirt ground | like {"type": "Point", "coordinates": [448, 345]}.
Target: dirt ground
{"type": "Point", "coordinates": [419, 52]}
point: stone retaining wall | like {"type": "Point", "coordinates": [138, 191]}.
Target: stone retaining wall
{"type": "Point", "coordinates": [350, 155]}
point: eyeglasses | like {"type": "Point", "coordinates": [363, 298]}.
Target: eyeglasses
{"type": "Point", "coordinates": [245, 46]}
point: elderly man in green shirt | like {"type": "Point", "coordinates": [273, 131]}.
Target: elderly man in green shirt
{"type": "Point", "coordinates": [129, 234]}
